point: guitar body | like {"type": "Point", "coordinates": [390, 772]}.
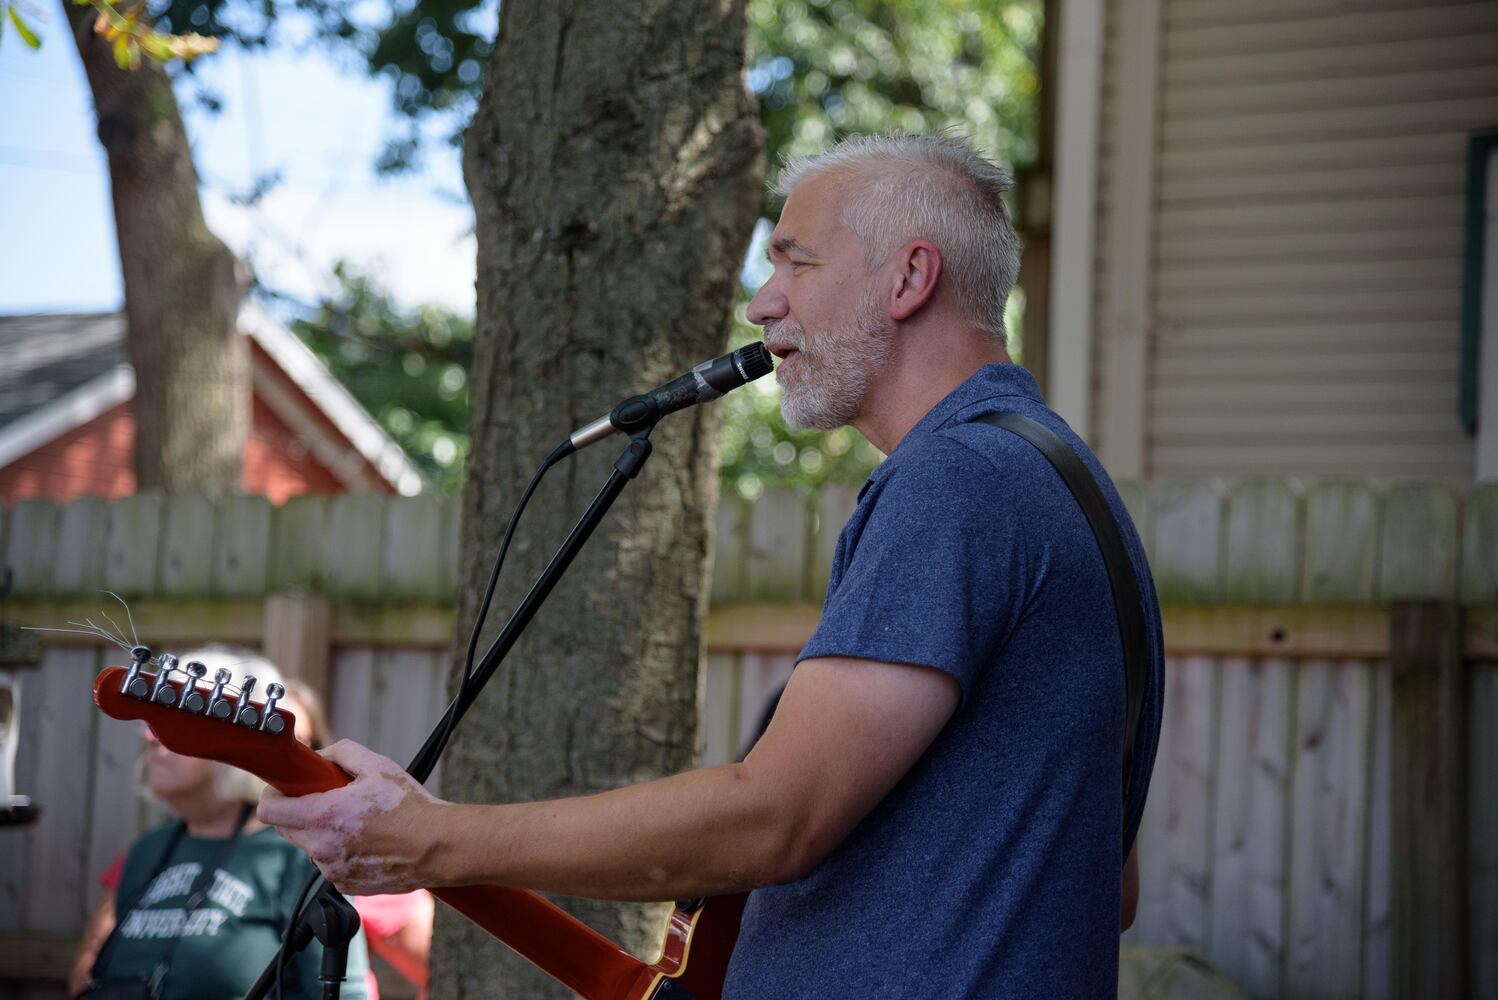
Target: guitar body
{"type": "Point", "coordinates": [694, 955]}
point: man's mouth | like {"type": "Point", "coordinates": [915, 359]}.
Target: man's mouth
{"type": "Point", "coordinates": [781, 351]}
{"type": "Point", "coordinates": [789, 362]}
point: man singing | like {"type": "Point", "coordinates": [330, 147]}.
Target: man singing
{"type": "Point", "coordinates": [936, 807]}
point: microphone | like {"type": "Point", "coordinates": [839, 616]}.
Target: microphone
{"type": "Point", "coordinates": [703, 383]}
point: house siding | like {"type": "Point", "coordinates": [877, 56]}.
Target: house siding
{"type": "Point", "coordinates": [278, 466]}
{"type": "Point", "coordinates": [93, 460]}
{"type": "Point", "coordinates": [1305, 241]}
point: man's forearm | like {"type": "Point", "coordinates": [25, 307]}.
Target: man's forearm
{"type": "Point", "coordinates": [844, 734]}
{"type": "Point", "coordinates": [699, 833]}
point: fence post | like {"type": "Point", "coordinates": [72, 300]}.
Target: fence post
{"type": "Point", "coordinates": [298, 634]}
{"type": "Point", "coordinates": [1429, 787]}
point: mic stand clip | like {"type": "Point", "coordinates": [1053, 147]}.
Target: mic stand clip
{"type": "Point", "coordinates": [331, 919]}
{"type": "Point", "coordinates": [636, 416]}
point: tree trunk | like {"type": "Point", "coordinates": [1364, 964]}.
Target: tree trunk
{"type": "Point", "coordinates": [615, 165]}
{"type": "Point", "coordinates": [182, 285]}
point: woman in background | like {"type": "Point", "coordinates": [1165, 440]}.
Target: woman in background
{"type": "Point", "coordinates": [200, 903]}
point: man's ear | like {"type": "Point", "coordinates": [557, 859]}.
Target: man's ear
{"type": "Point", "coordinates": [918, 266]}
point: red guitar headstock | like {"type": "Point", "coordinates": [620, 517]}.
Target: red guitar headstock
{"type": "Point", "coordinates": [221, 724]}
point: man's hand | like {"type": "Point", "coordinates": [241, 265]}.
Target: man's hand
{"type": "Point", "coordinates": [371, 835]}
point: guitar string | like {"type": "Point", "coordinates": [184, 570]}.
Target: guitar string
{"type": "Point", "coordinates": [82, 629]}
{"type": "Point", "coordinates": [128, 616]}
{"type": "Point", "coordinates": [90, 628]}
{"type": "Point", "coordinates": [117, 630]}
{"type": "Point", "coordinates": [115, 635]}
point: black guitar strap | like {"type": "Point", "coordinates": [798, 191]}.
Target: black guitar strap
{"type": "Point", "coordinates": [1121, 579]}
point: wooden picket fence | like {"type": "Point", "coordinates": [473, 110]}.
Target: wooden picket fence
{"type": "Point", "coordinates": [1270, 842]}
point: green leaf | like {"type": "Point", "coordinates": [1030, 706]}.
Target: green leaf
{"type": "Point", "coordinates": [188, 47]}
{"type": "Point", "coordinates": [157, 46]}
{"type": "Point", "coordinates": [24, 30]}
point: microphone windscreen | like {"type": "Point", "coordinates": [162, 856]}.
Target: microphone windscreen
{"type": "Point", "coordinates": [754, 361]}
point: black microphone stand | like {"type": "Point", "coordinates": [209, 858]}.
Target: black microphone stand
{"type": "Point", "coordinates": [641, 420]}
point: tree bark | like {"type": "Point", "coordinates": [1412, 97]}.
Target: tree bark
{"type": "Point", "coordinates": [615, 166]}
{"type": "Point", "coordinates": [182, 284]}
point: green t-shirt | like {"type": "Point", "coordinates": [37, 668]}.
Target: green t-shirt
{"type": "Point", "coordinates": [223, 946]}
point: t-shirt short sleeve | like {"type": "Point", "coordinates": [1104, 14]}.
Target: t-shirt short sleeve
{"type": "Point", "coordinates": [933, 570]}
{"type": "Point", "coordinates": [385, 914]}
{"type": "Point", "coordinates": [110, 877]}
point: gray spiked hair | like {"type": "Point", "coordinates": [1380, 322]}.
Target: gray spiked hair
{"type": "Point", "coordinates": [933, 187]}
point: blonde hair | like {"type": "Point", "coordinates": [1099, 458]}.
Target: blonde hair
{"type": "Point", "coordinates": [309, 707]}
{"type": "Point", "coordinates": [230, 783]}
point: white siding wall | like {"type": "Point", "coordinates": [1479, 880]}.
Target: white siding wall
{"type": "Point", "coordinates": [1305, 247]}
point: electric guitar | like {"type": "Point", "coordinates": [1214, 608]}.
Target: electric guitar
{"type": "Point", "coordinates": [226, 726]}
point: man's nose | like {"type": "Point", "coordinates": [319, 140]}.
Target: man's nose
{"type": "Point", "coordinates": [767, 305]}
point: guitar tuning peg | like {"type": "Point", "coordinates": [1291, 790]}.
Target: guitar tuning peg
{"type": "Point", "coordinates": [163, 693]}
{"type": "Point", "coordinates": [192, 699]}
{"type": "Point", "coordinates": [134, 684]}
{"type": "Point", "coordinates": [248, 715]}
{"type": "Point", "coordinates": [218, 705]}
{"type": "Point", "coordinates": [274, 722]}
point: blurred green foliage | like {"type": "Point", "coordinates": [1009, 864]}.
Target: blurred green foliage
{"type": "Point", "coordinates": [820, 70]}
{"type": "Point", "coordinates": [11, 12]}
{"type": "Point", "coordinates": [408, 367]}
{"type": "Point", "coordinates": [127, 25]}
{"type": "Point", "coordinates": [823, 69]}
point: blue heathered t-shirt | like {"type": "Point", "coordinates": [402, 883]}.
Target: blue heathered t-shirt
{"type": "Point", "coordinates": [993, 868]}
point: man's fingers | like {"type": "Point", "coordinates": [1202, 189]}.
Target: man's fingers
{"type": "Point", "coordinates": [312, 809]}
{"type": "Point", "coordinates": [289, 813]}
{"type": "Point", "coordinates": [347, 831]}
{"type": "Point", "coordinates": [357, 759]}
{"type": "Point", "coordinates": [274, 809]}
{"type": "Point", "coordinates": [269, 810]}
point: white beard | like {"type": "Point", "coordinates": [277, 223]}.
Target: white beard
{"type": "Point", "coordinates": [832, 379]}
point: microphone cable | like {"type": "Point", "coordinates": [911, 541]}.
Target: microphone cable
{"type": "Point", "coordinates": [449, 720]}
